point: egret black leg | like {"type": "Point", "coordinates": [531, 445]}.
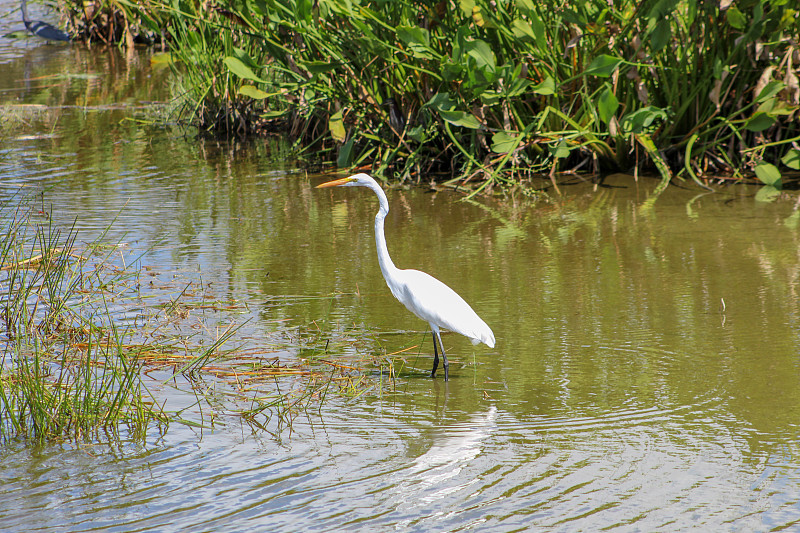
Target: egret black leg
{"type": "Point", "coordinates": [444, 358]}
{"type": "Point", "coordinates": [435, 355]}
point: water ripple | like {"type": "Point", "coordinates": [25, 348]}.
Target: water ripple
{"type": "Point", "coordinates": [491, 469]}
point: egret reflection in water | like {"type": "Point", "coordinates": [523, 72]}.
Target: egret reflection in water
{"type": "Point", "coordinates": [437, 473]}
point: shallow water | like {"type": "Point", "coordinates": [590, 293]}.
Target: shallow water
{"type": "Point", "coordinates": [645, 375]}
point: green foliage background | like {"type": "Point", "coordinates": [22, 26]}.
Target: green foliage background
{"type": "Point", "coordinates": [498, 90]}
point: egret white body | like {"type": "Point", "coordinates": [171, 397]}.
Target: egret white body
{"type": "Point", "coordinates": [422, 294]}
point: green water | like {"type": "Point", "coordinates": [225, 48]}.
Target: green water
{"type": "Point", "coordinates": [645, 376]}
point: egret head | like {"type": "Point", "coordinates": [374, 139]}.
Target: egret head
{"type": "Point", "coordinates": [356, 180]}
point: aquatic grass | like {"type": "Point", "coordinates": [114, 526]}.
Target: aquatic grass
{"type": "Point", "coordinates": [346, 370]}
{"type": "Point", "coordinates": [258, 382]}
{"type": "Point", "coordinates": [64, 371]}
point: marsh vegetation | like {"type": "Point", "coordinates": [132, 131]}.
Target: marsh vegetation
{"type": "Point", "coordinates": [493, 92]}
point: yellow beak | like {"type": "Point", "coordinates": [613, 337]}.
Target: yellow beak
{"type": "Point", "coordinates": [335, 183]}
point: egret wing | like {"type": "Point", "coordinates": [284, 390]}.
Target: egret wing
{"type": "Point", "coordinates": [433, 301]}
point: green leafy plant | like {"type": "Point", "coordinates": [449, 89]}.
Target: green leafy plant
{"type": "Point", "coordinates": [497, 90]}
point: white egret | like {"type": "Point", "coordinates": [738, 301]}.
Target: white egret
{"type": "Point", "coordinates": [422, 294]}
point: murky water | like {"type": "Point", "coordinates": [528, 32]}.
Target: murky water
{"type": "Point", "coordinates": [645, 376]}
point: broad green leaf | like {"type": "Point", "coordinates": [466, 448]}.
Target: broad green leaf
{"type": "Point", "coordinates": [661, 35]}
{"type": "Point", "coordinates": [519, 86]}
{"type": "Point", "coordinates": [420, 52]}
{"type": "Point", "coordinates": [642, 120]}
{"type": "Point", "coordinates": [755, 23]}
{"type": "Point", "coordinates": [792, 159]}
{"type": "Point", "coordinates": [607, 105]}
{"type": "Point", "coordinates": [336, 127]}
{"type": "Point", "coordinates": [445, 106]}
{"type": "Point", "coordinates": [560, 151]}
{"type": "Point", "coordinates": [417, 39]}
{"type": "Point", "coordinates": [547, 87]}
{"type": "Point", "coordinates": [269, 115]}
{"type": "Point", "coordinates": [244, 57]}
{"type": "Point", "coordinates": [303, 10]}
{"type": "Point", "coordinates": [526, 5]}
{"type": "Point", "coordinates": [538, 30]}
{"type": "Point", "coordinates": [503, 142]}
{"type": "Point", "coordinates": [253, 92]}
{"type": "Point", "coordinates": [759, 122]}
{"type": "Point", "coordinates": [318, 67]}
{"type": "Point", "coordinates": [603, 65]}
{"type": "Point", "coordinates": [441, 102]}
{"type": "Point", "coordinates": [736, 18]}
{"type": "Point", "coordinates": [490, 98]}
{"type": "Point", "coordinates": [775, 106]}
{"type": "Point", "coordinates": [259, 7]}
{"type": "Point", "coordinates": [522, 30]}
{"type": "Point", "coordinates": [482, 53]}
{"type": "Point", "coordinates": [413, 34]}
{"type": "Point", "coordinates": [719, 69]}
{"type": "Point", "coordinates": [460, 118]}
{"type": "Point", "coordinates": [768, 174]}
{"type": "Point", "coordinates": [345, 157]}
{"type": "Point", "coordinates": [770, 89]}
{"type": "Point", "coordinates": [240, 69]}
{"type": "Point", "coordinates": [451, 71]}
{"type": "Point", "coordinates": [463, 34]}
{"type": "Point", "coordinates": [417, 133]}
{"type": "Point", "coordinates": [660, 9]}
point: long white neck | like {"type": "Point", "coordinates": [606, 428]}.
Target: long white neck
{"type": "Point", "coordinates": [387, 266]}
